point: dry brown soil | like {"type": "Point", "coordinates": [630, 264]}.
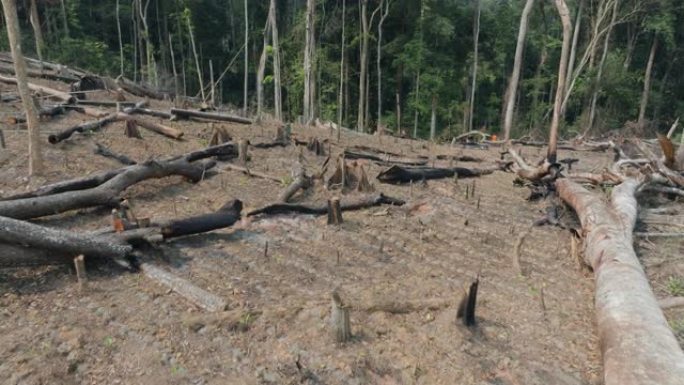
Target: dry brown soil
{"type": "Point", "coordinates": [535, 324]}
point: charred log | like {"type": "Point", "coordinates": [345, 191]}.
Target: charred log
{"type": "Point", "coordinates": [400, 175]}
{"type": "Point", "coordinates": [350, 204]}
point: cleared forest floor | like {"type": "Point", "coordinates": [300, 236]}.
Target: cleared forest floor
{"type": "Point", "coordinates": [533, 328]}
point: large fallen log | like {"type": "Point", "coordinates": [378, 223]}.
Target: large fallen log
{"type": "Point", "coordinates": [382, 158]}
{"type": "Point", "coordinates": [63, 96]}
{"type": "Point", "coordinates": [185, 114]}
{"type": "Point", "coordinates": [223, 151]}
{"type": "Point", "coordinates": [349, 204]}
{"type": "Point", "coordinates": [12, 256]}
{"type": "Point", "coordinates": [18, 232]}
{"type": "Point", "coordinates": [398, 174]}
{"type": "Point", "coordinates": [637, 343]}
{"type": "Point", "coordinates": [50, 75]}
{"type": "Point", "coordinates": [45, 112]}
{"type": "Point", "coordinates": [81, 128]}
{"type": "Point", "coordinates": [106, 103]}
{"type": "Point", "coordinates": [105, 194]}
{"type": "Point", "coordinates": [200, 297]}
{"type": "Point", "coordinates": [139, 89]}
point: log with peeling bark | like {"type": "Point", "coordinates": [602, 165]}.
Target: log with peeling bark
{"type": "Point", "coordinates": [63, 96]}
{"type": "Point", "coordinates": [399, 175]}
{"type": "Point", "coordinates": [105, 194]}
{"type": "Point", "coordinates": [45, 112]}
{"type": "Point", "coordinates": [348, 204]}
{"type": "Point", "coordinates": [637, 343]}
{"type": "Point", "coordinates": [186, 114]}
{"type": "Point", "coordinates": [150, 112]}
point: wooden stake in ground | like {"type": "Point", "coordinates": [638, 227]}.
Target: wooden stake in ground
{"type": "Point", "coordinates": [466, 310]}
{"type": "Point", "coordinates": [243, 155]}
{"type": "Point", "coordinates": [79, 262]}
{"type": "Point", "coordinates": [14, 37]}
{"type": "Point", "coordinates": [339, 318]}
{"type": "Point", "coordinates": [334, 212]}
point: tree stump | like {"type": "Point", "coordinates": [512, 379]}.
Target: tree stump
{"type": "Point", "coordinates": [243, 155]}
{"type": "Point", "coordinates": [131, 130]}
{"type": "Point", "coordinates": [334, 211]}
{"type": "Point", "coordinates": [466, 309]}
{"type": "Point", "coordinates": [339, 318]}
{"type": "Point", "coordinates": [79, 262]}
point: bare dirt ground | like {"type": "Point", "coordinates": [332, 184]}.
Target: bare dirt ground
{"type": "Point", "coordinates": [535, 324]}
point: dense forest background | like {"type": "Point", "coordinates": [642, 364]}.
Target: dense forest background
{"type": "Point", "coordinates": [426, 49]}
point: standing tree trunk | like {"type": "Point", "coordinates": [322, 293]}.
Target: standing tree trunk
{"type": "Point", "coordinates": [194, 53]}
{"type": "Point", "coordinates": [173, 68]}
{"type": "Point", "coordinates": [647, 84]}
{"type": "Point", "coordinates": [599, 74]}
{"type": "Point", "coordinates": [65, 20]}
{"type": "Point", "coordinates": [342, 52]}
{"type": "Point", "coordinates": [118, 29]}
{"type": "Point", "coordinates": [562, 70]}
{"type": "Point", "coordinates": [309, 70]}
{"type": "Point", "coordinates": [387, 4]}
{"type": "Point", "coordinates": [37, 31]}
{"type": "Point", "coordinates": [13, 35]}
{"type": "Point", "coordinates": [262, 66]}
{"type": "Point", "coordinates": [515, 76]}
{"type": "Point", "coordinates": [415, 116]}
{"type": "Point", "coordinates": [149, 48]}
{"type": "Point", "coordinates": [360, 122]}
{"type": "Point", "coordinates": [278, 104]}
{"type": "Point", "coordinates": [575, 40]}
{"type": "Point", "coordinates": [473, 85]}
{"type": "Point", "coordinates": [433, 118]}
{"type": "Point", "coordinates": [246, 78]}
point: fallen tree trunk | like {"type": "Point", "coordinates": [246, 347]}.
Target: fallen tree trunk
{"type": "Point", "coordinates": [398, 174]}
{"type": "Point", "coordinates": [200, 297]}
{"type": "Point", "coordinates": [637, 343]}
{"type": "Point", "coordinates": [147, 111]}
{"type": "Point", "coordinates": [155, 127]}
{"type": "Point", "coordinates": [384, 159]}
{"type": "Point", "coordinates": [81, 128]}
{"type": "Point", "coordinates": [301, 181]}
{"type": "Point", "coordinates": [107, 153]}
{"type": "Point", "coordinates": [186, 114]}
{"type": "Point", "coordinates": [44, 112]}
{"type": "Point", "coordinates": [60, 241]}
{"type": "Point", "coordinates": [225, 150]}
{"type": "Point", "coordinates": [140, 90]}
{"type": "Point", "coordinates": [50, 75]}
{"type": "Point", "coordinates": [350, 204]}
{"type": "Point", "coordinates": [13, 256]}
{"type": "Point", "coordinates": [106, 103]}
{"type": "Point", "coordinates": [94, 112]}
{"type": "Point", "coordinates": [63, 96]}
{"type": "Point", "coordinates": [105, 194]}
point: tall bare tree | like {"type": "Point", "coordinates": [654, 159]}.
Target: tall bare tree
{"type": "Point", "coordinates": [309, 63]}
{"type": "Point", "coordinates": [517, 64]}
{"type": "Point", "coordinates": [363, 62]}
{"type": "Point", "coordinates": [278, 104]}
{"type": "Point", "coordinates": [647, 83]}
{"type": "Point", "coordinates": [564, 14]}
{"type": "Point", "coordinates": [188, 20]}
{"type": "Point", "coordinates": [118, 29]}
{"type": "Point", "coordinates": [473, 84]}
{"type": "Point", "coordinates": [383, 16]}
{"type": "Point", "coordinates": [575, 41]}
{"type": "Point", "coordinates": [14, 37]}
{"type": "Point", "coordinates": [261, 70]}
{"type": "Point", "coordinates": [246, 62]}
{"type": "Point", "coordinates": [599, 73]}
{"type": "Point", "coordinates": [37, 31]}
{"type": "Point", "coordinates": [340, 100]}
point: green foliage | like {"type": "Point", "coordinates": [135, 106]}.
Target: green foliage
{"type": "Point", "coordinates": [675, 286]}
{"type": "Point", "coordinates": [85, 53]}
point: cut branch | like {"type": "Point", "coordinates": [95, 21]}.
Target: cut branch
{"type": "Point", "coordinates": [186, 114]}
